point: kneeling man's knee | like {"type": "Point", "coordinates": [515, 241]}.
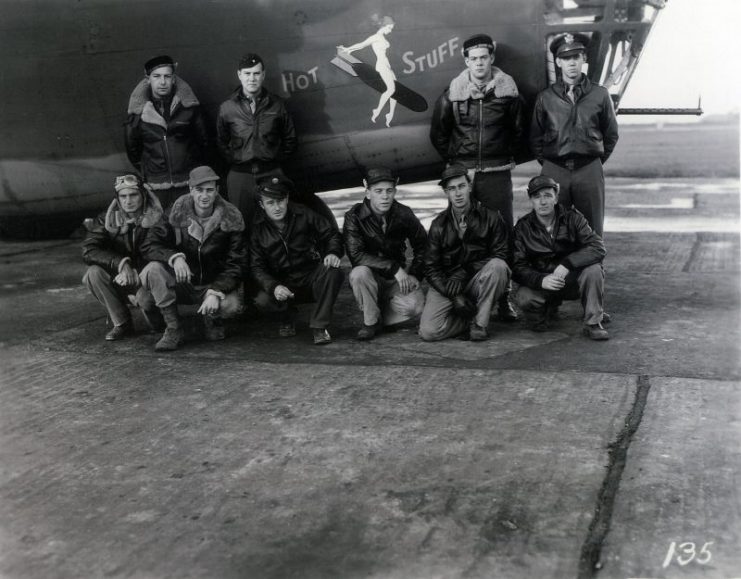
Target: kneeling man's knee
{"type": "Point", "coordinates": [360, 274]}
{"type": "Point", "coordinates": [93, 275]}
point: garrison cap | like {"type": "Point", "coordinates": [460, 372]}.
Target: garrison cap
{"type": "Point", "coordinates": [541, 182]}
{"type": "Point", "coordinates": [568, 44]}
{"type": "Point", "coordinates": [454, 170]}
{"type": "Point", "coordinates": [202, 174]}
{"type": "Point", "coordinates": [479, 41]}
{"type": "Point", "coordinates": [377, 174]}
{"type": "Point", "coordinates": [275, 187]}
{"type": "Point", "coordinates": [158, 61]}
{"type": "Point", "coordinates": [249, 60]}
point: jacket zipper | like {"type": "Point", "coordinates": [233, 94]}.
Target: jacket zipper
{"type": "Point", "coordinates": [200, 264]}
{"type": "Point", "coordinates": [481, 131]}
{"type": "Point", "coordinates": [167, 156]}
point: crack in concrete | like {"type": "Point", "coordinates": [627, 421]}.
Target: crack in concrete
{"type": "Point", "coordinates": [693, 253]}
{"type": "Point", "coordinates": [591, 551]}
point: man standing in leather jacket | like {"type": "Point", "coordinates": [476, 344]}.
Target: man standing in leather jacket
{"type": "Point", "coordinates": [255, 133]}
{"type": "Point", "coordinates": [479, 122]}
{"type": "Point", "coordinates": [165, 132]}
{"type": "Point", "coordinates": [386, 288]}
{"type": "Point", "coordinates": [468, 246]}
{"type": "Point", "coordinates": [557, 257]}
{"type": "Point", "coordinates": [574, 130]}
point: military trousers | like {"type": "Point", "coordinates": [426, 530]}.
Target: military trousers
{"type": "Point", "coordinates": [439, 321]}
{"type": "Point", "coordinates": [380, 298]}
{"type": "Point", "coordinates": [587, 284]}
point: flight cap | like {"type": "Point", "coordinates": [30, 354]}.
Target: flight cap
{"type": "Point", "coordinates": [275, 187]}
{"type": "Point", "coordinates": [158, 61]}
{"type": "Point", "coordinates": [479, 41]}
{"type": "Point", "coordinates": [454, 170]}
{"type": "Point", "coordinates": [249, 60]}
{"type": "Point", "coordinates": [540, 182]}
{"type": "Point", "coordinates": [202, 174]}
{"type": "Point", "coordinates": [124, 182]}
{"type": "Point", "coordinates": [569, 44]}
{"type": "Point", "coordinates": [377, 174]}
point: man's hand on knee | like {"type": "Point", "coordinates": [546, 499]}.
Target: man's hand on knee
{"type": "Point", "coordinates": [552, 282]}
{"type": "Point", "coordinates": [331, 260]}
{"type": "Point", "coordinates": [182, 271]}
{"type": "Point", "coordinates": [127, 277]}
{"type": "Point", "coordinates": [282, 293]}
{"type": "Point", "coordinates": [210, 305]}
{"type": "Point", "coordinates": [407, 283]}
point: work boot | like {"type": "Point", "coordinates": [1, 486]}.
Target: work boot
{"type": "Point", "coordinates": [154, 320]}
{"type": "Point", "coordinates": [477, 333]}
{"type": "Point", "coordinates": [321, 337]}
{"type": "Point", "coordinates": [119, 332]}
{"type": "Point", "coordinates": [595, 332]}
{"type": "Point", "coordinates": [368, 332]}
{"type": "Point", "coordinates": [173, 335]}
{"type": "Point", "coordinates": [505, 311]}
{"type": "Point", "coordinates": [213, 328]}
{"type": "Point", "coordinates": [606, 318]}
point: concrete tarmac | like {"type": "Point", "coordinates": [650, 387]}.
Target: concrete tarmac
{"type": "Point", "coordinates": [527, 456]}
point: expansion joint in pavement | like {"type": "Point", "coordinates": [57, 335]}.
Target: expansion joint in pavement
{"type": "Point", "coordinates": [589, 561]}
{"type": "Point", "coordinates": [693, 253]}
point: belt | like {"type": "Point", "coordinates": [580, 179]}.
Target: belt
{"type": "Point", "coordinates": [574, 163]}
{"type": "Point", "coordinates": [255, 167]}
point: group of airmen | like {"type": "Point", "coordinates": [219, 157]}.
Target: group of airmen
{"type": "Point", "coordinates": [170, 237]}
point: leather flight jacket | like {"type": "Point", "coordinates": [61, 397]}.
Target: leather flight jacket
{"type": "Point", "coordinates": [578, 132]}
{"type": "Point", "coordinates": [285, 257]}
{"type": "Point", "coordinates": [165, 150]}
{"type": "Point", "coordinates": [384, 253]}
{"type": "Point", "coordinates": [480, 133]}
{"type": "Point", "coordinates": [107, 250]}
{"type": "Point", "coordinates": [216, 254]}
{"type": "Point", "coordinates": [255, 141]}
{"type": "Point", "coordinates": [450, 257]}
{"type": "Point", "coordinates": [111, 238]}
{"type": "Point", "coordinates": [537, 253]}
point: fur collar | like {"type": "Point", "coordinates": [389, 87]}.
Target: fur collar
{"type": "Point", "coordinates": [115, 218]}
{"type": "Point", "coordinates": [140, 102]}
{"type": "Point", "coordinates": [502, 84]}
{"type": "Point", "coordinates": [225, 217]}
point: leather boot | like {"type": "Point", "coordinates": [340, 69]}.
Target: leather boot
{"type": "Point", "coordinates": [119, 332]}
{"type": "Point", "coordinates": [173, 335]}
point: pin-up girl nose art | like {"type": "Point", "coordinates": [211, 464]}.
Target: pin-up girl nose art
{"type": "Point", "coordinates": [382, 78]}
